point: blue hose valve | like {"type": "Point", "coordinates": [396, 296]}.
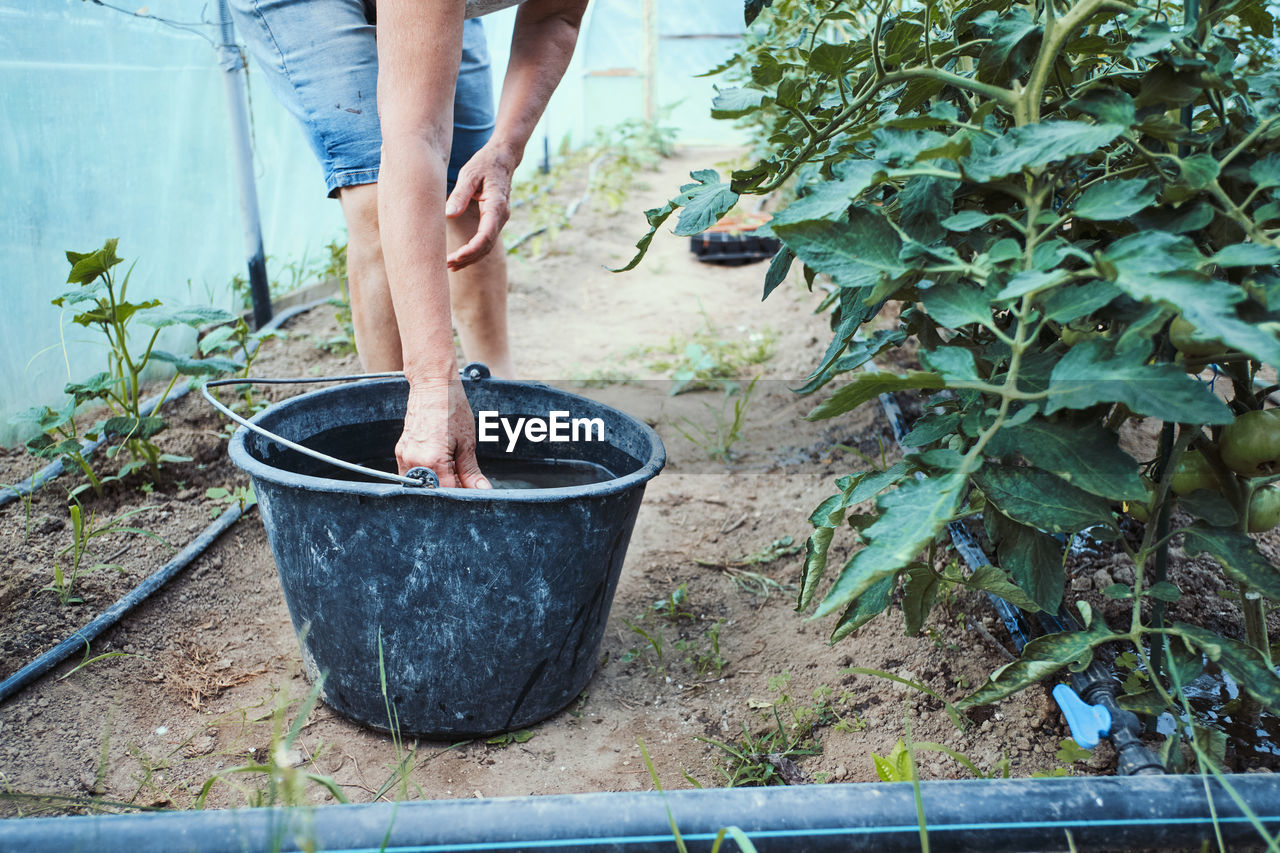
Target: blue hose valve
{"type": "Point", "coordinates": [1088, 723]}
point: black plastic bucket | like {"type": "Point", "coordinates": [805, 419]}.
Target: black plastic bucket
{"type": "Point", "coordinates": [483, 609]}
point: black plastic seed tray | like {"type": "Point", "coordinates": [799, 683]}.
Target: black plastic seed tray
{"type": "Point", "coordinates": [731, 248]}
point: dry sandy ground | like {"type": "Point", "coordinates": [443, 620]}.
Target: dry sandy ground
{"type": "Point", "coordinates": [214, 656]}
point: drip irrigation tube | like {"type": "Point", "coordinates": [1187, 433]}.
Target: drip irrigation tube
{"type": "Point", "coordinates": [81, 638]}
{"type": "Point", "coordinates": [148, 406]}
{"type": "Point", "coordinates": [978, 815]}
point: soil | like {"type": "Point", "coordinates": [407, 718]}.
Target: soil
{"type": "Point", "coordinates": [204, 671]}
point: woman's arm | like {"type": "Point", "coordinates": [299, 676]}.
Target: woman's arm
{"type": "Point", "coordinates": [419, 48]}
{"type": "Point", "coordinates": [541, 47]}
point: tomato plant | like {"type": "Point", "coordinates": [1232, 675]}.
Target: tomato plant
{"type": "Point", "coordinates": [1038, 190]}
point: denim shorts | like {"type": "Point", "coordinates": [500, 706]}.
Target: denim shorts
{"type": "Point", "coordinates": [319, 57]}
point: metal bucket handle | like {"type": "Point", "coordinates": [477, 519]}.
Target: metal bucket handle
{"type": "Point", "coordinates": [415, 477]}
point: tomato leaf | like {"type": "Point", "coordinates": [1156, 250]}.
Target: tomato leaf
{"type": "Point", "coordinates": [918, 595]}
{"type": "Point", "coordinates": [992, 579]}
{"type": "Point", "coordinates": [830, 514]}
{"type": "Point", "coordinates": [1090, 373]}
{"type": "Point", "coordinates": [911, 516]}
{"type": "Point", "coordinates": [1038, 145]}
{"type": "Point", "coordinates": [703, 203]}
{"type": "Point", "coordinates": [867, 386]}
{"type": "Point", "coordinates": [1040, 499]}
{"type": "Point", "coordinates": [1041, 658]}
{"type": "Point", "coordinates": [858, 253]}
{"type": "Point", "coordinates": [869, 605]}
{"type": "Point", "coordinates": [1031, 556]}
{"type": "Point", "coordinates": [1243, 662]}
{"type": "Point", "coordinates": [1084, 454]}
{"type": "Point", "coordinates": [1115, 199]}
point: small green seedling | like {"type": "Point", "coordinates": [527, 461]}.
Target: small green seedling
{"type": "Point", "coordinates": [83, 531]}
{"type": "Point", "coordinates": [223, 498]}
{"type": "Point", "coordinates": [724, 429]}
{"type": "Point", "coordinates": [505, 739]}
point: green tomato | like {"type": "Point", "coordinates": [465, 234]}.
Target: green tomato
{"type": "Point", "coordinates": [1072, 335]}
{"type": "Point", "coordinates": [1139, 509]}
{"type": "Point", "coordinates": [1264, 509]}
{"type": "Point", "coordinates": [1183, 336]}
{"type": "Point", "coordinates": [1193, 472]}
{"type": "Point", "coordinates": [1250, 445]}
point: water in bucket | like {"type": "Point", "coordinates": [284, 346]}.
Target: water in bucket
{"type": "Point", "coordinates": [373, 446]}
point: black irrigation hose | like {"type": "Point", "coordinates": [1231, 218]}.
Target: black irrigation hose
{"type": "Point", "coordinates": [81, 638]}
{"type": "Point", "coordinates": [55, 468]}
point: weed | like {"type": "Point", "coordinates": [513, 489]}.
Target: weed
{"type": "Point", "coordinates": [83, 532]}
{"type": "Point", "coordinates": [703, 654]}
{"type": "Point", "coordinates": [285, 782]}
{"type": "Point", "coordinates": [706, 360]}
{"type": "Point", "coordinates": [671, 606]}
{"type": "Point", "coordinates": [897, 767]}
{"type": "Point", "coordinates": [285, 278]}
{"type": "Point", "coordinates": [336, 269]}
{"type": "Point", "coordinates": [86, 661]}
{"type": "Point", "coordinates": [754, 582]}
{"type": "Point", "coordinates": [768, 757]}
{"type": "Point", "coordinates": [841, 710]}
{"type": "Point", "coordinates": [717, 437]}
{"type": "Point", "coordinates": [653, 636]}
{"type": "Point", "coordinates": [505, 739]}
{"type": "Point", "coordinates": [600, 377]}
{"type": "Point", "coordinates": [739, 837]}
{"type": "Point", "coordinates": [223, 498]}
{"type": "Point", "coordinates": [698, 648]}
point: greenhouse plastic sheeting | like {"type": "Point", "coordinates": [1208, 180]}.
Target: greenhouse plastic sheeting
{"type": "Point", "coordinates": [116, 126]}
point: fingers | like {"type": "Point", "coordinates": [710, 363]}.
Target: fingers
{"type": "Point", "coordinates": [460, 472]}
{"type": "Point", "coordinates": [486, 237]}
{"type": "Point", "coordinates": [463, 191]}
{"type": "Point", "coordinates": [468, 469]}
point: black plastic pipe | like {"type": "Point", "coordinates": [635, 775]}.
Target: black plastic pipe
{"type": "Point", "coordinates": [80, 640]}
{"type": "Point", "coordinates": [975, 815]}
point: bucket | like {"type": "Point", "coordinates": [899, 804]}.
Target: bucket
{"type": "Point", "coordinates": [483, 610]}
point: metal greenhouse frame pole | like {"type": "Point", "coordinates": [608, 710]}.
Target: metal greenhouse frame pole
{"type": "Point", "coordinates": [232, 62]}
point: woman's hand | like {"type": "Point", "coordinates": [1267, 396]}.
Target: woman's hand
{"type": "Point", "coordinates": [486, 179]}
{"type": "Point", "coordinates": [440, 434]}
